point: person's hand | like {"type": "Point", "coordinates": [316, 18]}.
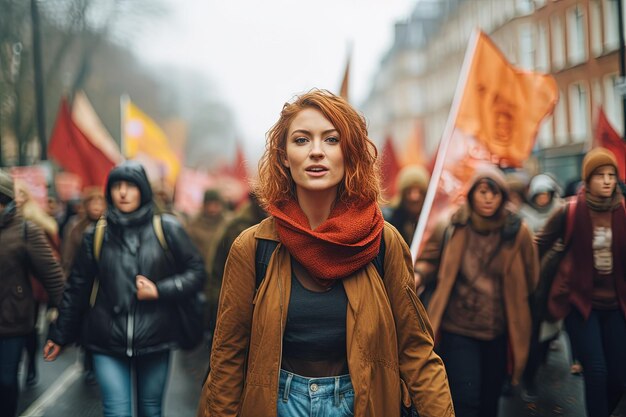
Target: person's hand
{"type": "Point", "coordinates": [51, 350]}
{"type": "Point", "coordinates": [146, 289]}
{"type": "Point", "coordinates": [418, 279]}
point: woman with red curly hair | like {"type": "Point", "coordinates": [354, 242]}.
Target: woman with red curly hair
{"type": "Point", "coordinates": [324, 332]}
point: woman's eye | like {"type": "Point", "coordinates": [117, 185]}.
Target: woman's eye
{"type": "Point", "coordinates": [332, 139]}
{"type": "Point", "coordinates": [300, 140]}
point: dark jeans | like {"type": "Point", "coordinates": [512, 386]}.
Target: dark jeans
{"type": "Point", "coordinates": [476, 371]}
{"type": "Point", "coordinates": [10, 354]}
{"type": "Point", "coordinates": [599, 343]}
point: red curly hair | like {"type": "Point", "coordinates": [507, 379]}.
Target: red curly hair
{"type": "Point", "coordinates": [361, 179]}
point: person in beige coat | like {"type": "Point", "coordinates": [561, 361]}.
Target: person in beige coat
{"type": "Point", "coordinates": [485, 267]}
{"type": "Point", "coordinates": [325, 333]}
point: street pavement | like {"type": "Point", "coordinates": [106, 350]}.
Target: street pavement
{"type": "Point", "coordinates": [63, 392]}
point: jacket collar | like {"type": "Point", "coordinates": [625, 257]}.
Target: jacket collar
{"type": "Point", "coordinates": [267, 230]}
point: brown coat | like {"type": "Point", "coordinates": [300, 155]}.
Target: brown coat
{"type": "Point", "coordinates": [388, 336]}
{"type": "Point", "coordinates": [521, 274]}
{"type": "Point", "coordinates": [24, 250]}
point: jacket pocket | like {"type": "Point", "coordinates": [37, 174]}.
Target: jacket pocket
{"type": "Point", "coordinates": [16, 307]}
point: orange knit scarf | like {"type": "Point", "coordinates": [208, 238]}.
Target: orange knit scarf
{"type": "Point", "coordinates": [347, 241]}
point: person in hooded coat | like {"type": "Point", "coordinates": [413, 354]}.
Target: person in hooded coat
{"type": "Point", "coordinates": [479, 310]}
{"type": "Point", "coordinates": [132, 325]}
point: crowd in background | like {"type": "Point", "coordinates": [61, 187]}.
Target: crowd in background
{"type": "Point", "coordinates": [487, 276]}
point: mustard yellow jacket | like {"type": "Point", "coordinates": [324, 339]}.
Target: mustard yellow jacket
{"type": "Point", "coordinates": [389, 339]}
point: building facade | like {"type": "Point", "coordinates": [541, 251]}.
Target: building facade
{"type": "Point", "coordinates": [577, 41]}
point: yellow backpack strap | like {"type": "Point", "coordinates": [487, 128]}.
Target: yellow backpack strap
{"type": "Point", "coordinates": [157, 224]}
{"type": "Point", "coordinates": [98, 238]}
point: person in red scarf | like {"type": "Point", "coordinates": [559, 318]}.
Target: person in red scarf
{"type": "Point", "coordinates": [324, 333]}
{"type": "Point", "coordinates": [592, 296]}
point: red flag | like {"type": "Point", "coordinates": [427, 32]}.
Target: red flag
{"type": "Point", "coordinates": [75, 153]}
{"type": "Point", "coordinates": [389, 168]}
{"type": "Point", "coordinates": [607, 137]}
{"type": "Point", "coordinates": [239, 170]}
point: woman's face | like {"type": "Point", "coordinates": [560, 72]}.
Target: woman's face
{"type": "Point", "coordinates": [95, 207]}
{"type": "Point", "coordinates": [126, 196]}
{"type": "Point", "coordinates": [314, 154]}
{"type": "Point", "coordinates": [543, 199]}
{"type": "Point", "coordinates": [20, 198]}
{"type": "Point", "coordinates": [603, 181]}
{"type": "Point", "coordinates": [486, 201]}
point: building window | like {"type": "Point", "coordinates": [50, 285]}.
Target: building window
{"type": "Point", "coordinates": [613, 103]}
{"type": "Point", "coordinates": [524, 7]}
{"type": "Point", "coordinates": [611, 27]}
{"type": "Point", "coordinates": [576, 50]}
{"type": "Point", "coordinates": [543, 48]}
{"type": "Point", "coordinates": [526, 47]}
{"type": "Point", "coordinates": [546, 140]}
{"type": "Point", "coordinates": [579, 111]}
{"type": "Point", "coordinates": [595, 29]}
{"type": "Point", "coordinates": [560, 121]}
{"type": "Point", "coordinates": [556, 33]}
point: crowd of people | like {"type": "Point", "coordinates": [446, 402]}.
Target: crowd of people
{"type": "Point", "coordinates": [313, 303]}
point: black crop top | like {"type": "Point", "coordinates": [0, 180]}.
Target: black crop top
{"type": "Point", "coordinates": [316, 323]}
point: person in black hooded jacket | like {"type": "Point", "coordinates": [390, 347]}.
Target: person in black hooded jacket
{"type": "Point", "coordinates": [133, 323]}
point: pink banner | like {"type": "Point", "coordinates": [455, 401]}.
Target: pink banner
{"type": "Point", "coordinates": [35, 179]}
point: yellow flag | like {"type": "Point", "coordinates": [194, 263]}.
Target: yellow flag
{"type": "Point", "coordinates": [144, 140]}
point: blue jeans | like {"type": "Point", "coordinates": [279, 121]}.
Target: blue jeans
{"type": "Point", "coordinates": [114, 375]}
{"type": "Point", "coordinates": [315, 397]}
{"type": "Point", "coordinates": [476, 372]}
{"type": "Point", "coordinates": [10, 355]}
{"type": "Point", "coordinates": [599, 343]}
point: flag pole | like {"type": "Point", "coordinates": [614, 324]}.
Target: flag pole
{"type": "Point", "coordinates": [443, 148]}
{"type": "Point", "coordinates": [124, 101]}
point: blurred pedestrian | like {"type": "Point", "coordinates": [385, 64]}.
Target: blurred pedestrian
{"type": "Point", "coordinates": [32, 211]}
{"type": "Point", "coordinates": [543, 200]}
{"type": "Point", "coordinates": [412, 184]}
{"type": "Point", "coordinates": [485, 271]}
{"type": "Point", "coordinates": [591, 297]}
{"type": "Point", "coordinates": [248, 215]}
{"type": "Point", "coordinates": [203, 230]}
{"type": "Point", "coordinates": [326, 333]}
{"type": "Point", "coordinates": [24, 251]}
{"type": "Point", "coordinates": [93, 207]}
{"type": "Point", "coordinates": [128, 317]}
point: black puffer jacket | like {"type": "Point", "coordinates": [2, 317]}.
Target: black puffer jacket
{"type": "Point", "coordinates": [118, 323]}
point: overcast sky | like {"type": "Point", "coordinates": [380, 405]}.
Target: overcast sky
{"type": "Point", "coordinates": [261, 52]}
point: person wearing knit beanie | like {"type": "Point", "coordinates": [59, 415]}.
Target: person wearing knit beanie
{"type": "Point", "coordinates": [412, 184]}
{"type": "Point", "coordinates": [595, 159]}
{"type": "Point", "coordinates": [591, 296]}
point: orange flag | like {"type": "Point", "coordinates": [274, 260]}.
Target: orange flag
{"type": "Point", "coordinates": [502, 106]}
{"type": "Point", "coordinates": [495, 116]}
{"type": "Point", "coordinates": [414, 150]}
